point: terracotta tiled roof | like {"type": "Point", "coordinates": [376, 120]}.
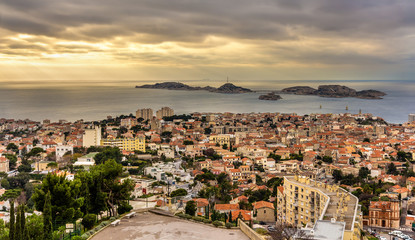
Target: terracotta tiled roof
{"type": "Point", "coordinates": [262, 204]}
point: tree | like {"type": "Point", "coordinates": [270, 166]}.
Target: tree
{"type": "Point", "coordinates": [327, 159]}
{"type": "Point", "coordinates": [108, 153]}
{"type": "Point", "coordinates": [47, 218]}
{"type": "Point", "coordinates": [18, 225]}
{"type": "Point", "coordinates": [4, 232]}
{"type": "Point", "coordinates": [337, 175]}
{"type": "Point", "coordinates": [34, 227]}
{"type": "Point", "coordinates": [66, 200]}
{"type": "Point", "coordinates": [22, 221]}
{"type": "Point", "coordinates": [285, 231]}
{"type": "Point", "coordinates": [114, 190]}
{"type": "Point", "coordinates": [179, 192]}
{"type": "Point", "coordinates": [89, 220]}
{"type": "Point", "coordinates": [12, 220]}
{"type": "Point", "coordinates": [13, 147]}
{"type": "Point", "coordinates": [392, 169]}
{"type": "Point", "coordinates": [190, 208]}
{"type": "Point", "coordinates": [364, 172]}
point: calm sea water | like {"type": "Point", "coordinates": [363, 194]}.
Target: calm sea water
{"type": "Point", "coordinates": [94, 101]}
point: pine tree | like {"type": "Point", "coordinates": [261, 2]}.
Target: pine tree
{"type": "Point", "coordinates": [11, 232]}
{"type": "Point", "coordinates": [22, 222]}
{"type": "Point", "coordinates": [18, 226]}
{"type": "Point", "coordinates": [47, 218]}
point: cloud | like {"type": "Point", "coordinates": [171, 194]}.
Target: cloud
{"type": "Point", "coordinates": [262, 33]}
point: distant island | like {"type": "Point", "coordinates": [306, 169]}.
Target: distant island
{"type": "Point", "coordinates": [270, 97]}
{"type": "Point", "coordinates": [334, 91]}
{"type": "Point", "coordinates": [225, 88]}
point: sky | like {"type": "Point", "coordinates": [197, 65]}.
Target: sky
{"type": "Point", "coordinates": [122, 40]}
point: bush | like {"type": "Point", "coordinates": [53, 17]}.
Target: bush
{"type": "Point", "coordinates": [124, 207]}
{"type": "Point", "coordinates": [199, 219]}
{"type": "Point", "coordinates": [112, 219]}
{"type": "Point", "coordinates": [187, 216]}
{"type": "Point", "coordinates": [85, 236]}
{"type": "Point", "coordinates": [89, 220]}
{"type": "Point", "coordinates": [261, 231]}
{"type": "Point", "coordinates": [217, 223]}
{"type": "Point", "coordinates": [207, 221]}
{"type": "Point", "coordinates": [78, 238]}
{"type": "Point", "coordinates": [181, 215]}
{"type": "Point", "coordinates": [229, 225]}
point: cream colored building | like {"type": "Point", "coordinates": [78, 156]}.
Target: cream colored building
{"type": "Point", "coordinates": [145, 113]}
{"type": "Point", "coordinates": [128, 144]}
{"type": "Point", "coordinates": [91, 137]}
{"type": "Point", "coordinates": [4, 164]}
{"type": "Point", "coordinates": [308, 201]}
{"type": "Point", "coordinates": [164, 112]}
{"type": "Point", "coordinates": [220, 139]}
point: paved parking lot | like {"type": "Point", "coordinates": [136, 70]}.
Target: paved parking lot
{"type": "Point", "coordinates": [150, 226]}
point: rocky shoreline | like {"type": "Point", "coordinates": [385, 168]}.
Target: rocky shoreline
{"type": "Point", "coordinates": [270, 97]}
{"type": "Point", "coordinates": [227, 88]}
{"type": "Point", "coordinates": [334, 91]}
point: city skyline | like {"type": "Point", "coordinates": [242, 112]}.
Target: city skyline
{"type": "Point", "coordinates": [167, 40]}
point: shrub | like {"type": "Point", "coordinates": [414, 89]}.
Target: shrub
{"type": "Point", "coordinates": [124, 207]}
{"type": "Point", "coordinates": [89, 220]}
{"type": "Point", "coordinates": [78, 238]}
{"type": "Point", "coordinates": [85, 236]}
{"type": "Point", "coordinates": [217, 223]}
{"type": "Point", "coordinates": [229, 225]}
{"type": "Point", "coordinates": [207, 221]}
{"type": "Point", "coordinates": [199, 219]}
{"type": "Point", "coordinates": [181, 215]}
{"type": "Point", "coordinates": [261, 231]}
{"type": "Point", "coordinates": [187, 216]}
{"type": "Point", "coordinates": [112, 219]}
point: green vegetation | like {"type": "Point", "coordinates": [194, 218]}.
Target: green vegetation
{"type": "Point", "coordinates": [191, 208]}
{"type": "Point", "coordinates": [178, 192]}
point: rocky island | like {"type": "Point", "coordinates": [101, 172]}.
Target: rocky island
{"type": "Point", "coordinates": [225, 88]}
{"type": "Point", "coordinates": [334, 91]}
{"type": "Point", "coordinates": [270, 97]}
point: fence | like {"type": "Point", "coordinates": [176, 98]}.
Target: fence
{"type": "Point", "coordinates": [249, 232]}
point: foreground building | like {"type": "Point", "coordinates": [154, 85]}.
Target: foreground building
{"type": "Point", "coordinates": [309, 204]}
{"type": "Point", "coordinates": [384, 214]}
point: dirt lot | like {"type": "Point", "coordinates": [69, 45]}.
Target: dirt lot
{"type": "Point", "coordinates": [150, 226]}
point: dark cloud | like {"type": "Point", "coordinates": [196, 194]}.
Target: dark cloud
{"type": "Point", "coordinates": [190, 23]}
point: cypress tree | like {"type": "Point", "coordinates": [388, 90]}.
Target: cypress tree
{"type": "Point", "coordinates": [22, 222]}
{"type": "Point", "coordinates": [230, 217]}
{"type": "Point", "coordinates": [47, 218]}
{"type": "Point", "coordinates": [11, 232]}
{"type": "Point", "coordinates": [18, 226]}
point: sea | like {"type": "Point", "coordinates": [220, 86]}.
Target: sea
{"type": "Point", "coordinates": [95, 100]}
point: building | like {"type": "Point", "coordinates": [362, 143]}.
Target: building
{"type": "Point", "coordinates": [86, 161]}
{"type": "Point", "coordinates": [411, 117]}
{"type": "Point", "coordinates": [308, 201]}
{"type": "Point", "coordinates": [164, 112]}
{"type": "Point", "coordinates": [128, 122]}
{"type": "Point", "coordinates": [384, 214]}
{"type": "Point", "coordinates": [145, 113]}
{"type": "Point", "coordinates": [264, 211]}
{"type": "Point", "coordinates": [60, 150]}
{"type": "Point", "coordinates": [92, 137]}
{"type": "Point", "coordinates": [129, 144]}
{"type": "Point", "coordinates": [220, 139]}
{"type": "Point", "coordinates": [4, 164]}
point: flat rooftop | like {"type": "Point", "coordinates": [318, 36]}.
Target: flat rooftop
{"type": "Point", "coordinates": [150, 226]}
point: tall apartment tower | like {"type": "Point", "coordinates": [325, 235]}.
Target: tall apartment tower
{"type": "Point", "coordinates": [164, 112]}
{"type": "Point", "coordinates": [145, 113]}
{"type": "Point", "coordinates": [411, 117]}
{"type": "Point", "coordinates": [92, 137]}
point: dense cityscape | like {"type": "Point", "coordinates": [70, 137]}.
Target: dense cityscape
{"type": "Point", "coordinates": [260, 175]}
